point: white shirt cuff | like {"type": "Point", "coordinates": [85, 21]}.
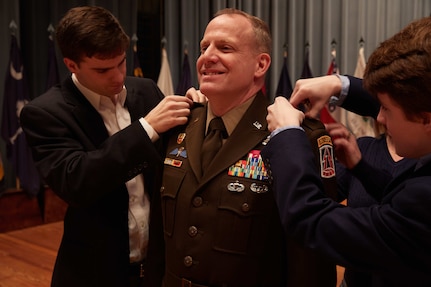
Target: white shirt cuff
{"type": "Point", "coordinates": [152, 134]}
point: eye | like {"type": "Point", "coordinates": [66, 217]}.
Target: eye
{"type": "Point", "coordinates": [226, 48]}
{"type": "Point", "coordinates": [203, 49]}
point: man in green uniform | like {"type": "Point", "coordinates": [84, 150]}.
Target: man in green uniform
{"type": "Point", "coordinates": [221, 222]}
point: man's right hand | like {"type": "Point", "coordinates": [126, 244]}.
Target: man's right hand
{"type": "Point", "coordinates": [314, 93]}
{"type": "Point", "coordinates": [170, 112]}
{"type": "Point", "coordinates": [282, 114]}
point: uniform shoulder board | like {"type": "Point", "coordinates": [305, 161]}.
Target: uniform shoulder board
{"type": "Point", "coordinates": [310, 124]}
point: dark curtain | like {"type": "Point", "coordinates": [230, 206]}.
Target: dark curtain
{"type": "Point", "coordinates": [33, 18]}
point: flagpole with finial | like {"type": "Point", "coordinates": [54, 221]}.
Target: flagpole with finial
{"type": "Point", "coordinates": [361, 42]}
{"type": "Point", "coordinates": [13, 27]}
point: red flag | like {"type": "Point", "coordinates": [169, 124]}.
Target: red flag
{"type": "Point", "coordinates": [325, 115]}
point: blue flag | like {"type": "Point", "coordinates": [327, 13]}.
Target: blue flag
{"type": "Point", "coordinates": [306, 70]}
{"type": "Point", "coordinates": [53, 75]}
{"type": "Point", "coordinates": [284, 87]}
{"type": "Point", "coordinates": [185, 82]}
{"type": "Point", "coordinates": [15, 97]}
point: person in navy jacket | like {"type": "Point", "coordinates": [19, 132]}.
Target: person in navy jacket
{"type": "Point", "coordinates": [390, 239]}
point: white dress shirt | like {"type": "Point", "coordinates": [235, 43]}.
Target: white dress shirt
{"type": "Point", "coordinates": [116, 117]}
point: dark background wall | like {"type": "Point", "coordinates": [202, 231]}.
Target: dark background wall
{"type": "Point", "coordinates": [141, 17]}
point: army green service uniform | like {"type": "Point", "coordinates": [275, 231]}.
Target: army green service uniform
{"type": "Point", "coordinates": [222, 226]}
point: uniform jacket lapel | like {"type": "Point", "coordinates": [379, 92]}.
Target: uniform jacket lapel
{"type": "Point", "coordinates": [85, 114]}
{"type": "Point", "coordinates": [195, 133]}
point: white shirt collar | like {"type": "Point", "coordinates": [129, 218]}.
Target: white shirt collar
{"type": "Point", "coordinates": [94, 98]}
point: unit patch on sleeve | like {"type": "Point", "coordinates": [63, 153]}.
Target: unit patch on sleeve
{"type": "Point", "coordinates": [326, 152]}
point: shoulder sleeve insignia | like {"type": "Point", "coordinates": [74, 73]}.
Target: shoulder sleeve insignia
{"type": "Point", "coordinates": [326, 158]}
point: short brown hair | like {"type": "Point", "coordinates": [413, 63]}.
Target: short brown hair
{"type": "Point", "coordinates": [401, 67]}
{"type": "Point", "coordinates": [260, 28]}
{"type": "Point", "coordinates": [90, 31]}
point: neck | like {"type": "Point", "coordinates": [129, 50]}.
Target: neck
{"type": "Point", "coordinates": [392, 151]}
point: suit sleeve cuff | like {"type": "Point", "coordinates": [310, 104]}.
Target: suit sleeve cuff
{"type": "Point", "coordinates": [277, 131]}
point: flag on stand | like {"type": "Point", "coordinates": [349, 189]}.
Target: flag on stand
{"type": "Point", "coordinates": [2, 184]}
{"type": "Point", "coordinates": [326, 114]}
{"type": "Point", "coordinates": [165, 79]}
{"type": "Point", "coordinates": [137, 70]}
{"type": "Point", "coordinates": [185, 82]}
{"type": "Point", "coordinates": [306, 70]}
{"type": "Point", "coordinates": [15, 97]}
{"type": "Point", "coordinates": [357, 124]}
{"type": "Point", "coordinates": [53, 75]}
{"type": "Point", "coordinates": [306, 73]}
{"type": "Point", "coordinates": [284, 87]}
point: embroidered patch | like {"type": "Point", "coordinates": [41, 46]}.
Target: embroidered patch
{"type": "Point", "coordinates": [173, 162]}
{"type": "Point", "coordinates": [326, 152]}
{"type": "Point", "coordinates": [252, 167]}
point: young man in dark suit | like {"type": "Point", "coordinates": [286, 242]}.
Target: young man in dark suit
{"type": "Point", "coordinates": [391, 240]}
{"type": "Point", "coordinates": [95, 142]}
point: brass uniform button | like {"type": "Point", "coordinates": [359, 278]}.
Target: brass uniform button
{"type": "Point", "coordinates": [188, 261]}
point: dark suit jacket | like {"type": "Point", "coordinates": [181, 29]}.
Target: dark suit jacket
{"type": "Point", "coordinates": [391, 240]}
{"type": "Point", "coordinates": [88, 170]}
{"type": "Point", "coordinates": [222, 228]}
{"type": "Point", "coordinates": [359, 100]}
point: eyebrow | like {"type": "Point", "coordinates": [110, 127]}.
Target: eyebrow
{"type": "Point", "coordinates": [108, 68]}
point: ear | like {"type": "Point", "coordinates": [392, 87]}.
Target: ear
{"type": "Point", "coordinates": [71, 65]}
{"type": "Point", "coordinates": [264, 61]}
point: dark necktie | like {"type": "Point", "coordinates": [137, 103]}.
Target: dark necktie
{"type": "Point", "coordinates": [213, 141]}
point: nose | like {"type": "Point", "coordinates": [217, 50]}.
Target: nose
{"type": "Point", "coordinates": [380, 117]}
{"type": "Point", "coordinates": [118, 75]}
{"type": "Point", "coordinates": [210, 54]}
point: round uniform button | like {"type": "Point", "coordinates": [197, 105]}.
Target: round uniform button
{"type": "Point", "coordinates": [245, 207]}
{"type": "Point", "coordinates": [197, 201]}
{"type": "Point", "coordinates": [193, 231]}
{"type": "Point", "coordinates": [188, 261]}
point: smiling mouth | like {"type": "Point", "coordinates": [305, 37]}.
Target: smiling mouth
{"type": "Point", "coordinates": [211, 73]}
